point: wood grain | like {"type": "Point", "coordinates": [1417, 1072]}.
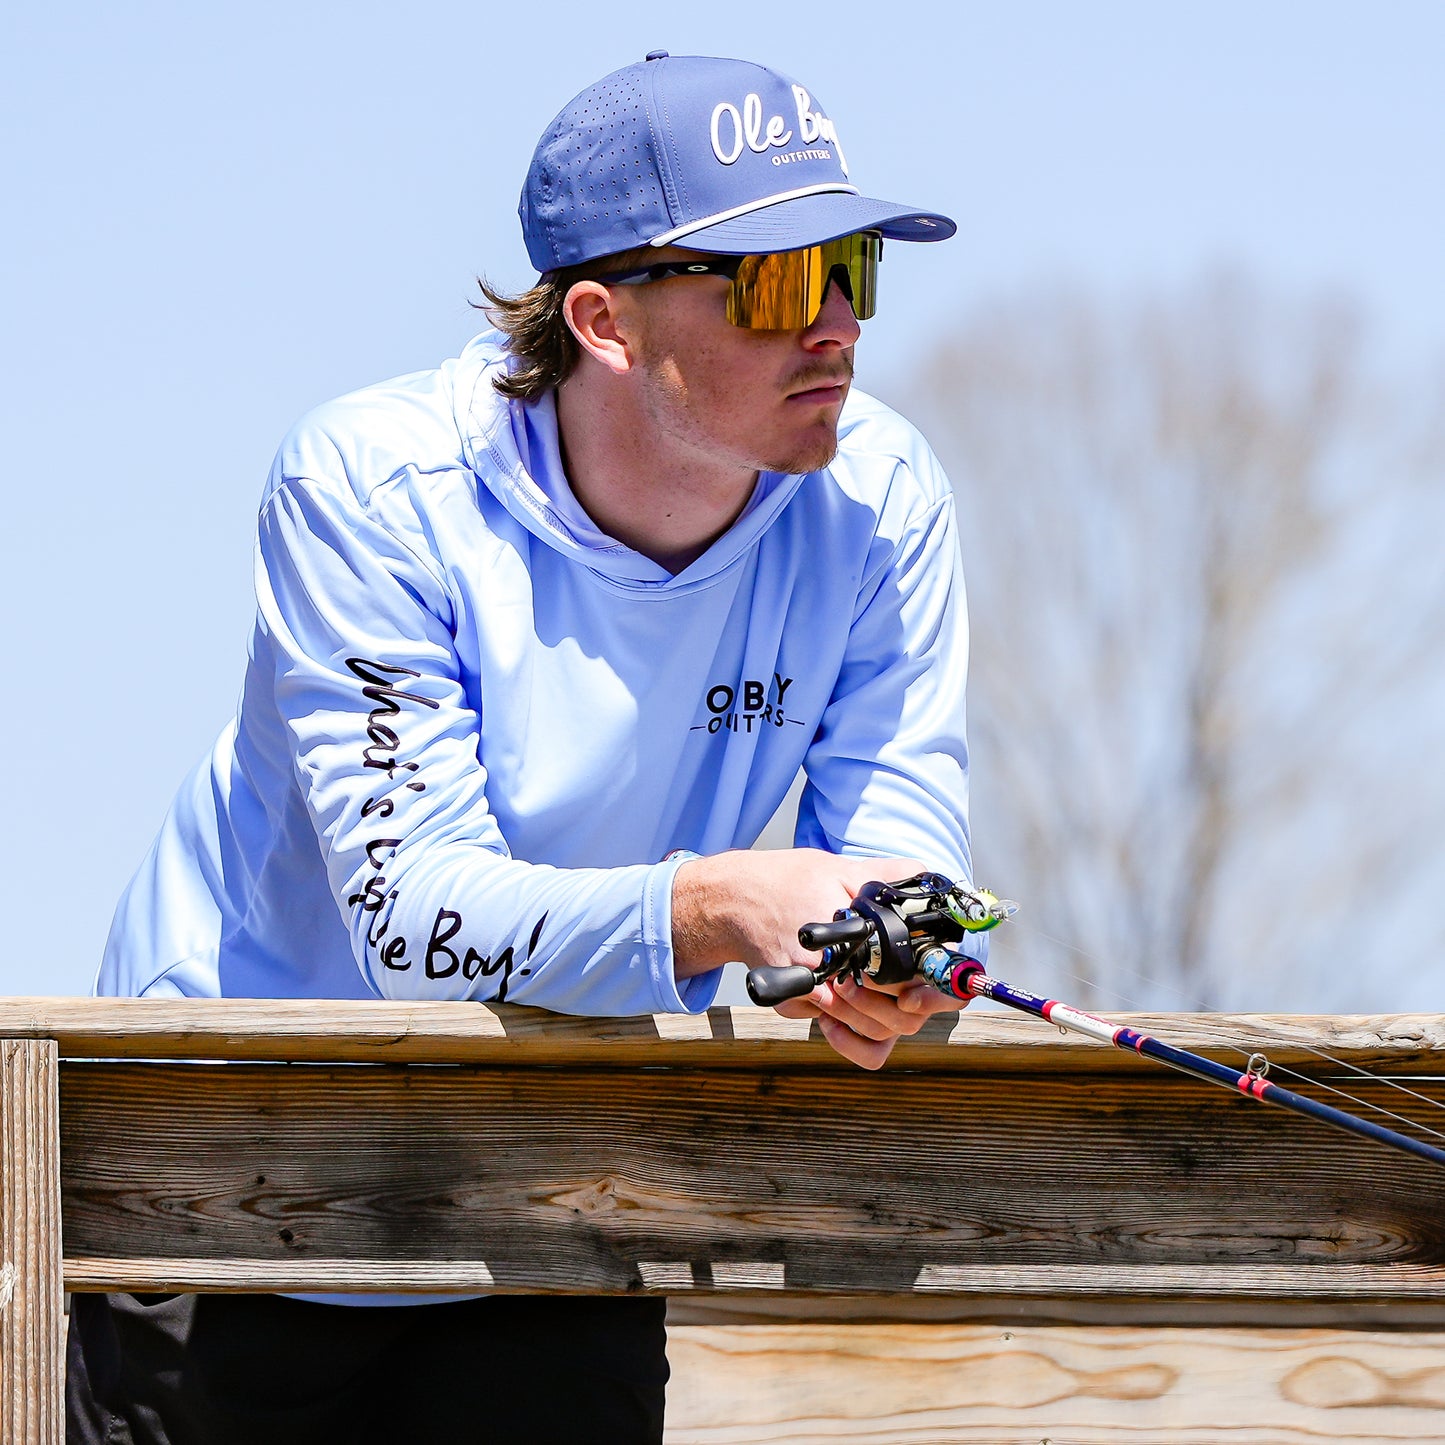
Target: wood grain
{"type": "Point", "coordinates": [302, 1030]}
{"type": "Point", "coordinates": [297, 1176]}
{"type": "Point", "coordinates": [1024, 1302]}
{"type": "Point", "coordinates": [907, 1384]}
{"type": "Point", "coordinates": [31, 1405]}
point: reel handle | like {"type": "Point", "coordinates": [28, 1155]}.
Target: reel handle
{"type": "Point", "coordinates": [768, 985]}
{"type": "Point", "coordinates": [849, 929]}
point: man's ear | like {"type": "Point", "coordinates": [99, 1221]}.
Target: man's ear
{"type": "Point", "coordinates": [591, 312]}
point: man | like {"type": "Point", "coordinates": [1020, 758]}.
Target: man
{"type": "Point", "coordinates": [543, 638]}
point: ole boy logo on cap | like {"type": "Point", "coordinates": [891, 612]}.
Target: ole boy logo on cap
{"type": "Point", "coordinates": [715, 155]}
{"type": "Point", "coordinates": [732, 129]}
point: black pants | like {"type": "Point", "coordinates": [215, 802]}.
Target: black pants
{"type": "Point", "coordinates": [263, 1370]}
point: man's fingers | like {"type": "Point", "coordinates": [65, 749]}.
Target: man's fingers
{"type": "Point", "coordinates": [862, 1022]}
{"type": "Point", "coordinates": [797, 1008]}
{"type": "Point", "coordinates": [866, 1053]}
{"type": "Point", "coordinates": [866, 1011]}
{"type": "Point", "coordinates": [924, 999]}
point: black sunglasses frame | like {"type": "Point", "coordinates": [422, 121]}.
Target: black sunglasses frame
{"type": "Point", "coordinates": [723, 266]}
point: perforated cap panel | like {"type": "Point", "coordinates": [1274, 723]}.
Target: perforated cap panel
{"type": "Point", "coordinates": [594, 177]}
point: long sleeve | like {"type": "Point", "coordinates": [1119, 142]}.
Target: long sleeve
{"type": "Point", "coordinates": [386, 750]}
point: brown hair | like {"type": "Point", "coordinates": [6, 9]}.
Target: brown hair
{"type": "Point", "coordinates": [542, 345]}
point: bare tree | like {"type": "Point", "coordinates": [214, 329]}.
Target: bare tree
{"type": "Point", "coordinates": [1203, 558]}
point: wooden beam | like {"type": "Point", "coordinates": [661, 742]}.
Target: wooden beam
{"type": "Point", "coordinates": [1015, 1301]}
{"type": "Point", "coordinates": [31, 1378]}
{"type": "Point", "coordinates": [302, 1030]}
{"type": "Point", "coordinates": [295, 1177]}
{"type": "Point", "coordinates": [814, 1384]}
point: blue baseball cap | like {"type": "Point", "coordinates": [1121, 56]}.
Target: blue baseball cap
{"type": "Point", "coordinates": [714, 155]}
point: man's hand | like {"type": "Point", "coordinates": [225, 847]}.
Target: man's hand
{"type": "Point", "coordinates": [747, 907]}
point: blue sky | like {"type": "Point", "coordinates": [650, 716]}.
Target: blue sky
{"type": "Point", "coordinates": [218, 216]}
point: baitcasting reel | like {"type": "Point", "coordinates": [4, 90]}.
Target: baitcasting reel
{"type": "Point", "coordinates": [890, 933]}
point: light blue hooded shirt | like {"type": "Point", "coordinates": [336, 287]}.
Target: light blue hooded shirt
{"type": "Point", "coordinates": [473, 727]}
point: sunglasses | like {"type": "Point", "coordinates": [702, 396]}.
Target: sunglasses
{"type": "Point", "coordinates": [782, 290]}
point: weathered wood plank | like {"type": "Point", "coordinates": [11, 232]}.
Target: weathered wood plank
{"type": "Point", "coordinates": [31, 1403]}
{"type": "Point", "coordinates": [1006, 1302]}
{"type": "Point", "coordinates": [900, 1384]}
{"type": "Point", "coordinates": [675, 1180]}
{"type": "Point", "coordinates": [743, 1038]}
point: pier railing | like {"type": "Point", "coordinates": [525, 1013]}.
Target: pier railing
{"type": "Point", "coordinates": [1006, 1234]}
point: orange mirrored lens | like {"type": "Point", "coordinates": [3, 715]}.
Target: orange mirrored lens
{"type": "Point", "coordinates": [784, 290]}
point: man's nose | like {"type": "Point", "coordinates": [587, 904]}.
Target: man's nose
{"type": "Point", "coordinates": [835, 324]}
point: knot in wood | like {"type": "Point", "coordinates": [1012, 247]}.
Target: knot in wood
{"type": "Point", "coordinates": [596, 1198]}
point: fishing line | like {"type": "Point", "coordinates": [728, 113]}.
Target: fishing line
{"type": "Point", "coordinates": [1257, 1033]}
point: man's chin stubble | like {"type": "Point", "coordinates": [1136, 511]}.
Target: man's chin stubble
{"type": "Point", "coordinates": [805, 459]}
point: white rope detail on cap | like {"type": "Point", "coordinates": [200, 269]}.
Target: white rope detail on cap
{"type": "Point", "coordinates": [668, 237]}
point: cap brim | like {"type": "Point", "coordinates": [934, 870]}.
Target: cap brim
{"type": "Point", "coordinates": [810, 220]}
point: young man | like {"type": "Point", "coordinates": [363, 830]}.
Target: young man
{"type": "Point", "coordinates": [543, 638]}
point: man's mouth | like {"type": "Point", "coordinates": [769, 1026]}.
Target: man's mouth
{"type": "Point", "coordinates": [820, 388]}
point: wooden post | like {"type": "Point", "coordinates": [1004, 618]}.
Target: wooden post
{"type": "Point", "coordinates": [31, 1371]}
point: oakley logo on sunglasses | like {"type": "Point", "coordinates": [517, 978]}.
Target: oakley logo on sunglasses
{"type": "Point", "coordinates": [734, 130]}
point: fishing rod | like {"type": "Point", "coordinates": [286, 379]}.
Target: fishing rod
{"type": "Point", "coordinates": [893, 932]}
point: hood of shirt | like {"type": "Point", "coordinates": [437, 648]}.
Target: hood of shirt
{"type": "Point", "coordinates": [514, 449]}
